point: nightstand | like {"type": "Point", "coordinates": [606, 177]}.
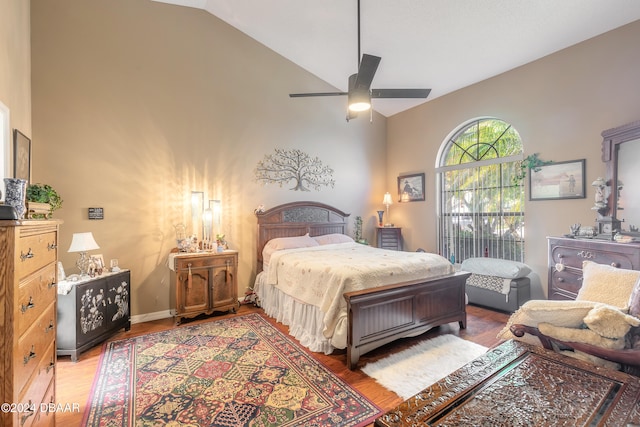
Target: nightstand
{"type": "Point", "coordinates": [203, 282]}
{"type": "Point", "coordinates": [389, 238]}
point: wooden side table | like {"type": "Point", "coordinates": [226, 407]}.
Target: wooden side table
{"type": "Point", "coordinates": [389, 238]}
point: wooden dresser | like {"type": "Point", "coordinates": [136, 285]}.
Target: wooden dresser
{"type": "Point", "coordinates": [566, 256]}
{"type": "Point", "coordinates": [389, 238]}
{"type": "Point", "coordinates": [28, 265]}
{"type": "Point", "coordinates": [203, 283]}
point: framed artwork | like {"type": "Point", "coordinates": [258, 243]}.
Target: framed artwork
{"type": "Point", "coordinates": [21, 156]}
{"type": "Point", "coordinates": [411, 188]}
{"type": "Point", "coordinates": [561, 180]}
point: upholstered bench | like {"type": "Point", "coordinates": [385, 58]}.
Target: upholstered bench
{"type": "Point", "coordinates": [496, 283]}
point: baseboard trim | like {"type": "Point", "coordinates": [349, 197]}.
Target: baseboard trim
{"type": "Point", "coordinates": [148, 317]}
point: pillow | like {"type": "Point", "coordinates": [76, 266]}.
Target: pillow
{"type": "Point", "coordinates": [496, 267]}
{"type": "Point", "coordinates": [328, 239]}
{"type": "Point", "coordinates": [609, 322]}
{"type": "Point", "coordinates": [281, 243]}
{"type": "Point", "coordinates": [634, 300]}
{"type": "Point", "coordinates": [557, 312]}
{"type": "Point", "coordinates": [606, 284]}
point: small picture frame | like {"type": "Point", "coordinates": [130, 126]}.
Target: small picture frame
{"type": "Point", "coordinates": [21, 156]}
{"type": "Point", "coordinates": [411, 188]}
{"type": "Point", "coordinates": [558, 180]}
{"type": "Point", "coordinates": [98, 260]}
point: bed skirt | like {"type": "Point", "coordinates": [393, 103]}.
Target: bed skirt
{"type": "Point", "coordinates": [305, 321]}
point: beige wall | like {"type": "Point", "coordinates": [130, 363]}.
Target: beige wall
{"type": "Point", "coordinates": [137, 103]}
{"type": "Point", "coordinates": [15, 68]}
{"type": "Point", "coordinates": [559, 104]}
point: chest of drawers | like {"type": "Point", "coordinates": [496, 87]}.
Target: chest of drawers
{"type": "Point", "coordinates": [28, 264]}
{"type": "Point", "coordinates": [566, 256]}
{"type": "Point", "coordinates": [389, 238]}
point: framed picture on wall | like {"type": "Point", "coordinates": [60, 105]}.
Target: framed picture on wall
{"type": "Point", "coordinates": [411, 188]}
{"type": "Point", "coordinates": [21, 156]}
{"type": "Point", "coordinates": [558, 180]}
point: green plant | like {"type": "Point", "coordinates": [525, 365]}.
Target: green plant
{"type": "Point", "coordinates": [532, 161]}
{"type": "Point", "coordinates": [44, 193]}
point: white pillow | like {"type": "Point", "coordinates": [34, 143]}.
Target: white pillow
{"type": "Point", "coordinates": [606, 284]}
{"type": "Point", "coordinates": [327, 239]}
{"type": "Point", "coordinates": [281, 243]}
{"type": "Point", "coordinates": [496, 267]}
{"type": "Point", "coordinates": [569, 314]}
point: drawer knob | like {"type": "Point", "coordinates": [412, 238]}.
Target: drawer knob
{"type": "Point", "coordinates": [24, 257]}
{"type": "Point", "coordinates": [615, 264]}
{"type": "Point", "coordinates": [560, 280]}
{"type": "Point", "coordinates": [29, 305]}
{"type": "Point", "coordinates": [559, 266]}
{"type": "Point", "coordinates": [52, 246]}
{"type": "Point", "coordinates": [29, 410]}
{"type": "Point", "coordinates": [51, 365]}
{"type": "Point", "coordinates": [49, 328]}
{"type": "Point", "coordinates": [31, 355]}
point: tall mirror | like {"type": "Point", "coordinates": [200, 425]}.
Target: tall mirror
{"type": "Point", "coordinates": [621, 154]}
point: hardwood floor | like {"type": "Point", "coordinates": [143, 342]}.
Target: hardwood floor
{"type": "Point", "coordinates": [74, 380]}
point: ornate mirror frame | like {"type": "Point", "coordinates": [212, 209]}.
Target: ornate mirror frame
{"type": "Point", "coordinates": [612, 138]}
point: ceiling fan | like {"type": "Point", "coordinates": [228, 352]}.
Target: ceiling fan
{"type": "Point", "coordinates": [359, 93]}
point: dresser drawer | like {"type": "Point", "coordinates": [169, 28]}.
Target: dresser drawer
{"type": "Point", "coordinates": [205, 262]}
{"type": "Point", "coordinates": [37, 390]}
{"type": "Point", "coordinates": [35, 293]}
{"type": "Point", "coordinates": [574, 257]}
{"type": "Point", "coordinates": [46, 418]}
{"type": "Point", "coordinates": [34, 252]}
{"type": "Point", "coordinates": [33, 346]}
{"type": "Point", "coordinates": [565, 284]}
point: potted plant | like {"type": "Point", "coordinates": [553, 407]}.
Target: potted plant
{"type": "Point", "coordinates": [42, 200]}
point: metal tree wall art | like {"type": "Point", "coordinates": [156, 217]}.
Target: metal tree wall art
{"type": "Point", "coordinates": [293, 164]}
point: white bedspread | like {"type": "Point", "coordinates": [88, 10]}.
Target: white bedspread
{"type": "Point", "coordinates": [320, 275]}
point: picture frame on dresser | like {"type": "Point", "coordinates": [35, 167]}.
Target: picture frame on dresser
{"type": "Point", "coordinates": [21, 156]}
{"type": "Point", "coordinates": [558, 180]}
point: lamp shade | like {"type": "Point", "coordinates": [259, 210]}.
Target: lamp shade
{"type": "Point", "coordinates": [83, 242]}
{"type": "Point", "coordinates": [387, 200]}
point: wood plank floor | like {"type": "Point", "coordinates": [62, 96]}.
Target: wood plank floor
{"type": "Point", "coordinates": [74, 380]}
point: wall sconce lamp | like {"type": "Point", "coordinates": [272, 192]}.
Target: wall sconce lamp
{"type": "Point", "coordinates": [82, 243]}
{"type": "Point", "coordinates": [387, 201]}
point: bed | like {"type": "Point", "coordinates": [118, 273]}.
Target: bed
{"type": "Point", "coordinates": [358, 318]}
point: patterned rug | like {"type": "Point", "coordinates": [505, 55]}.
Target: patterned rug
{"type": "Point", "coordinates": [238, 371]}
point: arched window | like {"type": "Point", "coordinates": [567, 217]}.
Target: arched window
{"type": "Point", "coordinates": [481, 202]}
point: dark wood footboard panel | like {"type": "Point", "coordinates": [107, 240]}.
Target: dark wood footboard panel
{"type": "Point", "coordinates": [381, 315]}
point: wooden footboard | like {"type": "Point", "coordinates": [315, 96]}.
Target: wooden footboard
{"type": "Point", "coordinates": [381, 315]}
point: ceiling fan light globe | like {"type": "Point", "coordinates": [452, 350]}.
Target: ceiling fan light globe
{"type": "Point", "coordinates": [359, 106]}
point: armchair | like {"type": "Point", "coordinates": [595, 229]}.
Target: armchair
{"type": "Point", "coordinates": [602, 325]}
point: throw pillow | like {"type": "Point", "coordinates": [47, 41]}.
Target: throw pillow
{"type": "Point", "coordinates": [496, 267]}
{"type": "Point", "coordinates": [606, 284]}
{"type": "Point", "coordinates": [557, 312]}
{"type": "Point", "coordinates": [327, 239]}
{"type": "Point", "coordinates": [281, 243]}
{"type": "Point", "coordinates": [634, 300]}
{"type": "Point", "coordinates": [609, 322]}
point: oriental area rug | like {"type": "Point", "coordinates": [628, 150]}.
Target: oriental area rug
{"type": "Point", "coordinates": [238, 371]}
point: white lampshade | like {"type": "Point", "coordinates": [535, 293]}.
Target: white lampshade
{"type": "Point", "coordinates": [387, 200]}
{"type": "Point", "coordinates": [83, 242]}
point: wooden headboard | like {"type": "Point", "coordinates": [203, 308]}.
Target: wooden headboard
{"type": "Point", "coordinates": [297, 219]}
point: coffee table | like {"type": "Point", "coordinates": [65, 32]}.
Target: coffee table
{"type": "Point", "coordinates": [515, 384]}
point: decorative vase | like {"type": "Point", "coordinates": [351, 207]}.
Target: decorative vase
{"type": "Point", "coordinates": [16, 192]}
{"type": "Point", "coordinates": [380, 215]}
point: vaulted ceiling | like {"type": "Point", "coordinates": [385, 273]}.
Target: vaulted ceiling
{"type": "Point", "coordinates": [443, 45]}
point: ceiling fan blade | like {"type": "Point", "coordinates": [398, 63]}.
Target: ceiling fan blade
{"type": "Point", "coordinates": [366, 71]}
{"type": "Point", "coordinates": [400, 93]}
{"type": "Point", "coordinates": [302, 95]}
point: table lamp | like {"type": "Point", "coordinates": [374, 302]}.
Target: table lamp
{"type": "Point", "coordinates": [387, 201]}
{"type": "Point", "coordinates": [83, 242]}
